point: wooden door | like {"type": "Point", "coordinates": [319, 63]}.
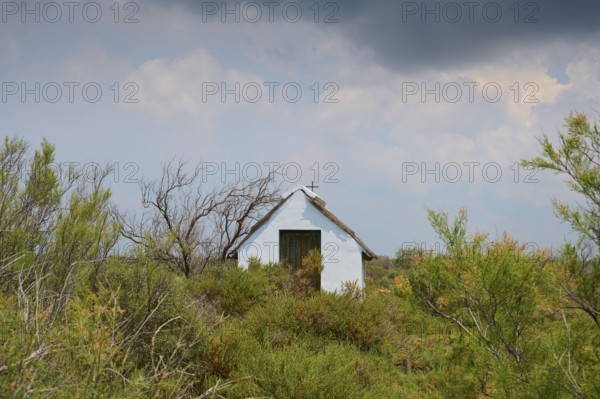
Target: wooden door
{"type": "Point", "coordinates": [295, 244]}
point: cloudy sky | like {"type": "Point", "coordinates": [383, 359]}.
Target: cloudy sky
{"type": "Point", "coordinates": [391, 107]}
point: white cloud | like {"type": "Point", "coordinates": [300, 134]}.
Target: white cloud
{"type": "Point", "coordinates": [584, 72]}
{"type": "Point", "coordinates": [181, 87]}
{"type": "Point", "coordinates": [9, 51]}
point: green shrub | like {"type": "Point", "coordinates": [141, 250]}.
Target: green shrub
{"type": "Point", "coordinates": [160, 327]}
{"type": "Point", "coordinates": [236, 290]}
{"type": "Point", "coordinates": [299, 372]}
{"type": "Point", "coordinates": [324, 317]}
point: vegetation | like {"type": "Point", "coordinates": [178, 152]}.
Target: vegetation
{"type": "Point", "coordinates": [171, 319]}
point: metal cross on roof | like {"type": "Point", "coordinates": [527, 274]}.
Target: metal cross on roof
{"type": "Point", "coordinates": [312, 186]}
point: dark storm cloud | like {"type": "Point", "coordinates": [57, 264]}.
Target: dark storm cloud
{"type": "Point", "coordinates": [412, 35]}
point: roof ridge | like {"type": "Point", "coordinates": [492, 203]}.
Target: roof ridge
{"type": "Point", "coordinates": [318, 203]}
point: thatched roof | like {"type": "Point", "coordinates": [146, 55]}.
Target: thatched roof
{"type": "Point", "coordinates": [320, 205]}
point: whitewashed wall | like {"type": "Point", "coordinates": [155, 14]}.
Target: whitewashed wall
{"type": "Point", "coordinates": [342, 256]}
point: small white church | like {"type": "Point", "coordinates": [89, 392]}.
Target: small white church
{"type": "Point", "coordinates": [299, 223]}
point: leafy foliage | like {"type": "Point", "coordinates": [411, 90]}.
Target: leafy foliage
{"type": "Point", "coordinates": [483, 319]}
